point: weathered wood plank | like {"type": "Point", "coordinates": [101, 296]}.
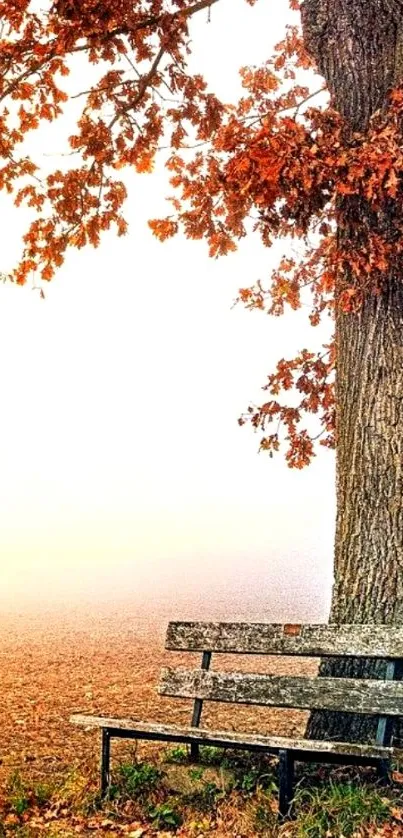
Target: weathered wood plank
{"type": "Point", "coordinates": [274, 639]}
{"type": "Point", "coordinates": [342, 694]}
{"type": "Point", "coordinates": [228, 738]}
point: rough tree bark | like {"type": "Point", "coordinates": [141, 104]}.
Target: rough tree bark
{"type": "Point", "coordinates": [358, 47]}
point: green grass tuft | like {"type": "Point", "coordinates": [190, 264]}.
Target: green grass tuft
{"type": "Point", "coordinates": [178, 755]}
{"type": "Point", "coordinates": [209, 755]}
{"type": "Point", "coordinates": [18, 795]}
{"type": "Point", "coordinates": [338, 809]}
{"type": "Point", "coordinates": [135, 780]}
{"type": "Point", "coordinates": [205, 797]}
{"type": "Point", "coordinates": [165, 816]}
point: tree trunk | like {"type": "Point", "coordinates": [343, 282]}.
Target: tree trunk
{"type": "Point", "coordinates": [368, 579]}
{"type": "Point", "coordinates": [357, 47]}
{"type": "Point", "coordinates": [368, 575]}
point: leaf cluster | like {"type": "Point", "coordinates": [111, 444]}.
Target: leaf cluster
{"type": "Point", "coordinates": [279, 163]}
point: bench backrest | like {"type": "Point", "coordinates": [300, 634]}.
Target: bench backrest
{"type": "Point", "coordinates": [375, 697]}
{"type": "Point", "coordinates": [363, 641]}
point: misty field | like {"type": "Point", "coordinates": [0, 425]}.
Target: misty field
{"type": "Point", "coordinates": [52, 665]}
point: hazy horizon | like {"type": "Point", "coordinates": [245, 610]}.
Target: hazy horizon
{"type": "Point", "coordinates": [255, 592]}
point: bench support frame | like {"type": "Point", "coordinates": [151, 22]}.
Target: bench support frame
{"type": "Point", "coordinates": [105, 761]}
{"type": "Point", "coordinates": [286, 782]}
{"type": "Point", "coordinates": [197, 710]}
{"type": "Point", "coordinates": [287, 758]}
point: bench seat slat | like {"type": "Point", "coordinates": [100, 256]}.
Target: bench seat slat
{"type": "Point", "coordinates": [230, 739]}
{"type": "Point", "coordinates": [338, 694]}
{"type": "Point", "coordinates": [375, 641]}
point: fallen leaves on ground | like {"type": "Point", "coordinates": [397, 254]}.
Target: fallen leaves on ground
{"type": "Point", "coordinates": [108, 662]}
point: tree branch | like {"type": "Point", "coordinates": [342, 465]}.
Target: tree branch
{"type": "Point", "coordinates": [124, 30]}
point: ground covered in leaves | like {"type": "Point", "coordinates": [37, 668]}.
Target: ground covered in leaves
{"type": "Point", "coordinates": [54, 664]}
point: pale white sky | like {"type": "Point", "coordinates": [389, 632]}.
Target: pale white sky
{"type": "Point", "coordinates": [122, 465]}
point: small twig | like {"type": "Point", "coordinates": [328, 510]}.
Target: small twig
{"type": "Point", "coordinates": [143, 84]}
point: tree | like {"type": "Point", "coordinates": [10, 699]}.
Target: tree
{"type": "Point", "coordinates": [278, 163]}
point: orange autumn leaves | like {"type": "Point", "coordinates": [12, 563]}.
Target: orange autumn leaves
{"type": "Point", "coordinates": [278, 163]}
{"type": "Point", "coordinates": [289, 170]}
{"type": "Point", "coordinates": [143, 97]}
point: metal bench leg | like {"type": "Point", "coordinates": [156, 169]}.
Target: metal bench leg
{"type": "Point", "coordinates": [105, 761]}
{"type": "Point", "coordinates": [286, 781]}
{"type": "Point", "coordinates": [194, 752]}
{"type": "Point", "coordinates": [383, 771]}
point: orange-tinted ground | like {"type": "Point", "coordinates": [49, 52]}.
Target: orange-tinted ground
{"type": "Point", "coordinates": [52, 665]}
{"type": "Point", "coordinates": [107, 661]}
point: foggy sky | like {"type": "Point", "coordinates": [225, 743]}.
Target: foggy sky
{"type": "Point", "coordinates": [123, 470]}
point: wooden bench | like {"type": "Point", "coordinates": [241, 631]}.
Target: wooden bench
{"type": "Point", "coordinates": [383, 698]}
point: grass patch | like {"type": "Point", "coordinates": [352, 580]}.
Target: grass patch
{"type": "Point", "coordinates": [338, 809]}
{"type": "Point", "coordinates": [205, 797]}
{"type": "Point", "coordinates": [135, 780]}
{"type": "Point", "coordinates": [265, 820]}
{"type": "Point", "coordinates": [165, 816]}
{"type": "Point", "coordinates": [18, 795]}
{"type": "Point", "coordinates": [79, 792]}
{"type": "Point", "coordinates": [257, 777]}
{"type": "Point", "coordinates": [240, 792]}
{"type": "Point", "coordinates": [179, 755]}
{"type": "Point", "coordinates": [43, 794]}
{"type": "Point", "coordinates": [209, 755]}
{"type": "Point", "coordinates": [251, 771]}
